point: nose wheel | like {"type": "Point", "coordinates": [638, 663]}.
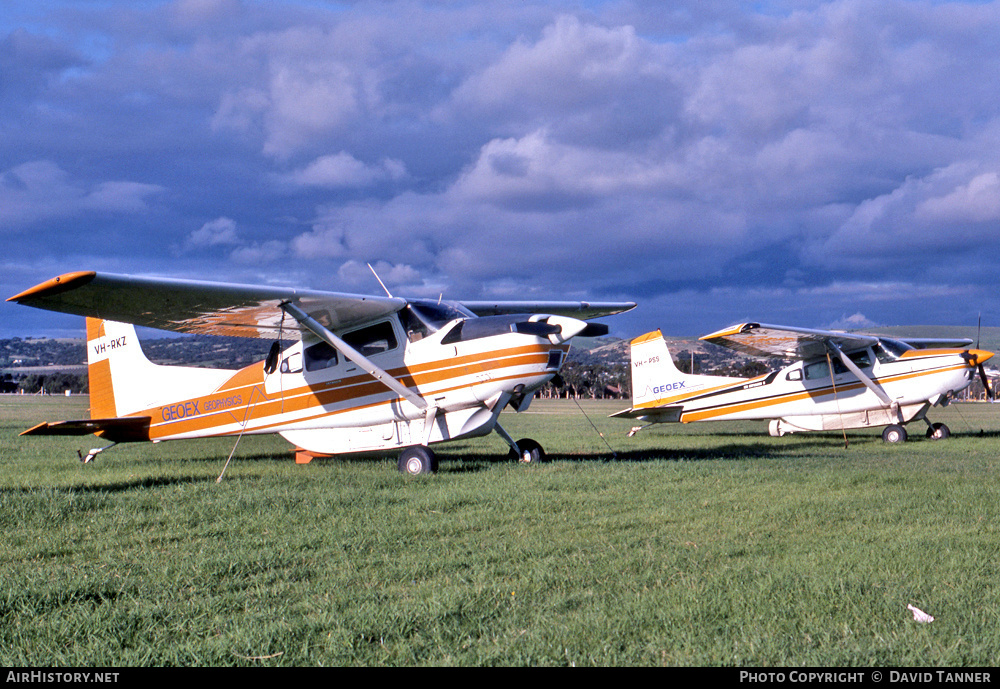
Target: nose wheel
{"type": "Point", "coordinates": [525, 450]}
{"type": "Point", "coordinates": [528, 452]}
{"type": "Point", "coordinates": [938, 431]}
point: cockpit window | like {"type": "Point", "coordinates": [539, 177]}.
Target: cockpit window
{"type": "Point", "coordinates": [320, 356]}
{"type": "Point", "coordinates": [817, 370]}
{"type": "Point", "coordinates": [861, 359]}
{"type": "Point", "coordinates": [370, 340]}
{"type": "Point", "coordinates": [374, 339]}
{"type": "Point", "coordinates": [820, 369]}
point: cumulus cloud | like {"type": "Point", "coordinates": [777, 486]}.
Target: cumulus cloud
{"type": "Point", "coordinates": [536, 170]}
{"type": "Point", "coordinates": [344, 170]}
{"type": "Point", "coordinates": [857, 321]}
{"type": "Point", "coordinates": [216, 232]}
{"type": "Point", "coordinates": [977, 201]}
{"type": "Point", "coordinates": [362, 276]}
{"type": "Point", "coordinates": [259, 253]}
{"type": "Point", "coordinates": [40, 191]}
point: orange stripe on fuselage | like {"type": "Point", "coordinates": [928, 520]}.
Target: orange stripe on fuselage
{"type": "Point", "coordinates": [664, 401]}
{"type": "Point", "coordinates": [242, 398]}
{"type": "Point", "coordinates": [829, 391]}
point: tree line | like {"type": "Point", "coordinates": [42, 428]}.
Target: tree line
{"type": "Point", "coordinates": [601, 371]}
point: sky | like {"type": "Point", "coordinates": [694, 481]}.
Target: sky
{"type": "Point", "coordinates": [817, 164]}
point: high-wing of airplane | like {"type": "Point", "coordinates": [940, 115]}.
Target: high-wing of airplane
{"type": "Point", "coordinates": [366, 372]}
{"type": "Point", "coordinates": [836, 381]}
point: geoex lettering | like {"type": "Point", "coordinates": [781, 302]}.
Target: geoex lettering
{"type": "Point", "coordinates": [180, 411]}
{"type": "Point", "coordinates": [669, 387]}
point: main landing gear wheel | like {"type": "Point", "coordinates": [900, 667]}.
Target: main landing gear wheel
{"type": "Point", "coordinates": [894, 434]}
{"type": "Point", "coordinates": [531, 452]}
{"type": "Point", "coordinates": [938, 431]}
{"type": "Point", "coordinates": [417, 460]}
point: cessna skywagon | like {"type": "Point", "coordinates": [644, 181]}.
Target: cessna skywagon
{"type": "Point", "coordinates": [366, 372]}
{"type": "Point", "coordinates": [837, 381]}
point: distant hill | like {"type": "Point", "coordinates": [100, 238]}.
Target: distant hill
{"type": "Point", "coordinates": [195, 350]}
{"type": "Point", "coordinates": [21, 356]}
{"type": "Point", "coordinates": [611, 352]}
{"type": "Point", "coordinates": [710, 357]}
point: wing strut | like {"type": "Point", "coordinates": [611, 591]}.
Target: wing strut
{"type": "Point", "coordinates": [853, 368]}
{"type": "Point", "coordinates": [323, 333]}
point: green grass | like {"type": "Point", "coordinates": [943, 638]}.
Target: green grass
{"type": "Point", "coordinates": [708, 544]}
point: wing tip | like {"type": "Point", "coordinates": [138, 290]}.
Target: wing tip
{"type": "Point", "coordinates": [57, 285]}
{"type": "Point", "coordinates": [731, 330]}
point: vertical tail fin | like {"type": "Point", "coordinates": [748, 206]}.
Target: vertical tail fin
{"type": "Point", "coordinates": [115, 368]}
{"type": "Point", "coordinates": [655, 377]}
{"type": "Point", "coordinates": [652, 368]}
{"type": "Point", "coordinates": [123, 381]}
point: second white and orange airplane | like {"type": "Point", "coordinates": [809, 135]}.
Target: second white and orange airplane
{"type": "Point", "coordinates": [837, 381]}
{"type": "Point", "coordinates": [367, 373]}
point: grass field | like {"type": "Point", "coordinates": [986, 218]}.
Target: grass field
{"type": "Point", "coordinates": [701, 545]}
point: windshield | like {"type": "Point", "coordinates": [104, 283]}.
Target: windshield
{"type": "Point", "coordinates": [889, 349]}
{"type": "Point", "coordinates": [421, 318]}
{"type": "Point", "coordinates": [438, 314]}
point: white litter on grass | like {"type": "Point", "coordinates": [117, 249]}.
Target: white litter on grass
{"type": "Point", "coordinates": [919, 615]}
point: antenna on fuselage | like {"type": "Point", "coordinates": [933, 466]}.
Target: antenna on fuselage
{"type": "Point", "coordinates": [379, 280]}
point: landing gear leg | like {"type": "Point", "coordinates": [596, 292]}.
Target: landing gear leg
{"type": "Point", "coordinates": [530, 451]}
{"type": "Point", "coordinates": [937, 431]}
{"type": "Point", "coordinates": [525, 450]}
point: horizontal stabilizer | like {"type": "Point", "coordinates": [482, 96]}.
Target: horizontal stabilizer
{"type": "Point", "coordinates": [120, 430]}
{"type": "Point", "coordinates": [652, 414]}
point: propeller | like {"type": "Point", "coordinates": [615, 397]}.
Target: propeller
{"type": "Point", "coordinates": [990, 394]}
{"type": "Point", "coordinates": [976, 357]}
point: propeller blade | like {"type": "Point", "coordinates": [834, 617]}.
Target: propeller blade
{"type": "Point", "coordinates": [986, 382]}
{"type": "Point", "coordinates": [595, 330]}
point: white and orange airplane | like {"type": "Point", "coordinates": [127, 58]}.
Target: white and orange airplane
{"type": "Point", "coordinates": [367, 372]}
{"type": "Point", "coordinates": [837, 381]}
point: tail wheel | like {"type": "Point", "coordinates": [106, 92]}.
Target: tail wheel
{"type": "Point", "coordinates": [894, 434]}
{"type": "Point", "coordinates": [417, 460]}
{"type": "Point", "coordinates": [531, 452]}
{"type": "Point", "coordinates": [938, 431]}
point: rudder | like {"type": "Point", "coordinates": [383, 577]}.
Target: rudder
{"type": "Point", "coordinates": [124, 382]}
{"type": "Point", "coordinates": [656, 380]}
{"type": "Point", "coordinates": [652, 367]}
{"type": "Point", "coordinates": [112, 388]}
